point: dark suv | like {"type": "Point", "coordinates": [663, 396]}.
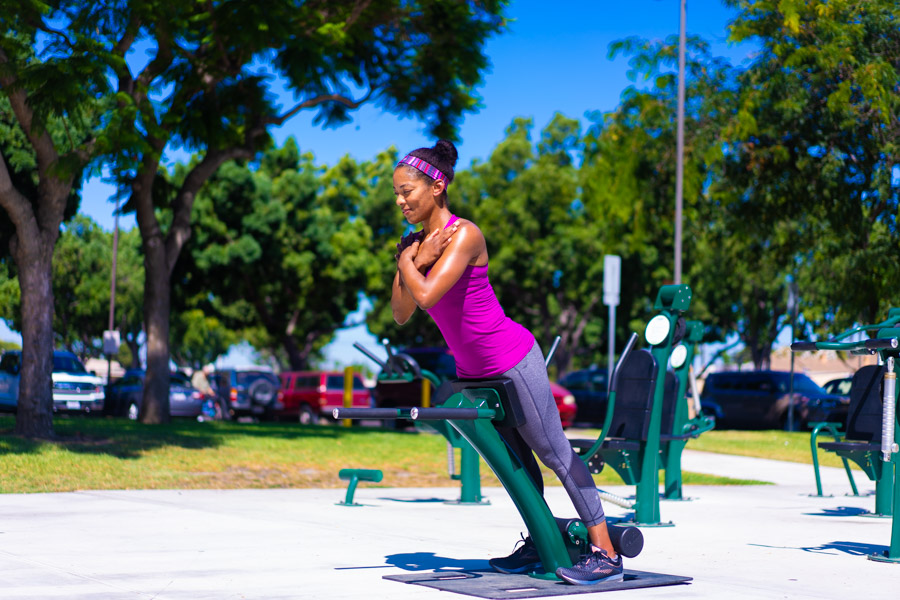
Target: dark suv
{"type": "Point", "coordinates": [589, 386]}
{"type": "Point", "coordinates": [760, 399]}
{"type": "Point", "coordinates": [248, 392]}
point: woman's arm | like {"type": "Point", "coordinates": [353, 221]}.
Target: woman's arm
{"type": "Point", "coordinates": [402, 303]}
{"type": "Point", "coordinates": [467, 245]}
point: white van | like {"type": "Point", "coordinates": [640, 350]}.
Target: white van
{"type": "Point", "coordinates": [74, 389]}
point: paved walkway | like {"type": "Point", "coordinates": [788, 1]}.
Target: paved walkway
{"type": "Point", "coordinates": [767, 541]}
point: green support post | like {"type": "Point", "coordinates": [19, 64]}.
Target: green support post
{"type": "Point", "coordinates": [671, 455]}
{"type": "Point", "coordinates": [893, 465]}
{"type": "Point", "coordinates": [671, 302]}
{"type": "Point", "coordinates": [483, 436]}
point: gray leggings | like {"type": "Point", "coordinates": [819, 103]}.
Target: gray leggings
{"type": "Point", "coordinates": [543, 433]}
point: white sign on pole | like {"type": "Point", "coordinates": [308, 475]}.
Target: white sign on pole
{"type": "Point", "coordinates": [612, 277]}
{"type": "Point", "coordinates": [111, 341]}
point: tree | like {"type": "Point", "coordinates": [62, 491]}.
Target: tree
{"type": "Point", "coordinates": [628, 179]}
{"type": "Point", "coordinates": [812, 161]}
{"type": "Point", "coordinates": [543, 249]}
{"type": "Point", "coordinates": [278, 252]}
{"type": "Point", "coordinates": [203, 91]}
{"type": "Point", "coordinates": [82, 268]}
{"type": "Point", "coordinates": [49, 95]}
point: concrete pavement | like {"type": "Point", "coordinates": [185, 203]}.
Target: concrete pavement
{"type": "Point", "coordinates": [767, 541]}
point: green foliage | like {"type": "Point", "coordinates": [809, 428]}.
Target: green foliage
{"type": "Point", "coordinates": [277, 254]}
{"type": "Point", "coordinates": [82, 268]}
{"type": "Point", "coordinates": [198, 339]}
{"type": "Point", "coordinates": [810, 176]}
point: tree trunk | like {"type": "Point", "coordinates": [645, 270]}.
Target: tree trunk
{"type": "Point", "coordinates": [295, 357]}
{"type": "Point", "coordinates": [34, 418]}
{"type": "Point", "coordinates": [157, 291]}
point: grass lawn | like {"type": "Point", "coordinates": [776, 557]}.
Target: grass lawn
{"type": "Point", "coordinates": [106, 453]}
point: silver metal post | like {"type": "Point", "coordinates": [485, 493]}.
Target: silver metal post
{"type": "Point", "coordinates": [889, 407]}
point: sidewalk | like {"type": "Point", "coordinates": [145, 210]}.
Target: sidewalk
{"type": "Point", "coordinates": [767, 541]}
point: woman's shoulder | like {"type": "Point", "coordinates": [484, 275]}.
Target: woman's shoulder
{"type": "Point", "coordinates": [468, 226]}
{"type": "Point", "coordinates": [472, 240]}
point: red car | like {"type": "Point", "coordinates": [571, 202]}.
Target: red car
{"type": "Point", "coordinates": [565, 403]}
{"type": "Point", "coordinates": [310, 395]}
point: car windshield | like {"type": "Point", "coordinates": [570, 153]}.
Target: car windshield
{"type": "Point", "coordinates": [67, 364]}
{"type": "Point", "coordinates": [439, 362]}
{"type": "Point", "coordinates": [248, 377]}
{"type": "Point", "coordinates": [179, 378]}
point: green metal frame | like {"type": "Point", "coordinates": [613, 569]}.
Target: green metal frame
{"type": "Point", "coordinates": [354, 476]}
{"type": "Point", "coordinates": [681, 425]}
{"type": "Point", "coordinates": [834, 430]}
{"type": "Point", "coordinates": [469, 475]}
{"type": "Point", "coordinates": [641, 468]}
{"type": "Point", "coordinates": [885, 473]}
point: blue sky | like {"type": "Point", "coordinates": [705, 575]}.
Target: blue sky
{"type": "Point", "coordinates": [554, 58]}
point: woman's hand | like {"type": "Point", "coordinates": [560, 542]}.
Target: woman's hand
{"type": "Point", "coordinates": [433, 246]}
{"type": "Point", "coordinates": [407, 240]}
{"type": "Point", "coordinates": [410, 252]}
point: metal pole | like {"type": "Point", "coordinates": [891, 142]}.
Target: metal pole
{"type": "Point", "coordinates": [794, 298]}
{"type": "Point", "coordinates": [112, 287]}
{"type": "Point", "coordinates": [679, 174]}
{"type": "Point", "coordinates": [612, 345]}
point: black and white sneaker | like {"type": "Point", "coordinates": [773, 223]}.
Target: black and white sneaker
{"type": "Point", "coordinates": [524, 559]}
{"type": "Point", "coordinates": [595, 567]}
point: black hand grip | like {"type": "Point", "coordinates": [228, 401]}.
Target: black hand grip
{"type": "Point", "coordinates": [803, 346]}
{"type": "Point", "coordinates": [450, 414]}
{"type": "Point", "coordinates": [881, 343]}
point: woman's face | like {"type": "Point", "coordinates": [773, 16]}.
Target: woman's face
{"type": "Point", "coordinates": [414, 196]}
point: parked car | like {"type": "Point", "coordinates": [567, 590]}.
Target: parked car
{"type": "Point", "coordinates": [124, 396]}
{"type": "Point", "coordinates": [839, 387]}
{"type": "Point", "coordinates": [311, 395]}
{"type": "Point", "coordinates": [441, 362]}
{"type": "Point", "coordinates": [590, 389]}
{"type": "Point", "coordinates": [75, 390]}
{"type": "Point", "coordinates": [252, 392]}
{"type": "Point", "coordinates": [760, 399]}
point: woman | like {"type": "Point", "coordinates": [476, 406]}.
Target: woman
{"type": "Point", "coordinates": [445, 272]}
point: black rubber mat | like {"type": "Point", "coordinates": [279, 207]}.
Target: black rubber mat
{"type": "Point", "coordinates": [490, 584]}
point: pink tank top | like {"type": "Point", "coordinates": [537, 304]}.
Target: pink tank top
{"type": "Point", "coordinates": [484, 341]}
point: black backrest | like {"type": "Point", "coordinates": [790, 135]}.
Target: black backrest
{"type": "Point", "coordinates": [670, 402]}
{"type": "Point", "coordinates": [636, 381]}
{"type": "Point", "coordinates": [864, 413]}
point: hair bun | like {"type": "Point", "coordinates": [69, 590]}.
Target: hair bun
{"type": "Point", "coordinates": [446, 150]}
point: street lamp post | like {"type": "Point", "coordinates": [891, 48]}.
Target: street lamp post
{"type": "Point", "coordinates": [679, 161]}
{"type": "Point", "coordinates": [112, 292]}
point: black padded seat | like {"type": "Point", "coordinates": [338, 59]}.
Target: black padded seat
{"type": "Point", "coordinates": [864, 413]}
{"type": "Point", "coordinates": [863, 426]}
{"type": "Point", "coordinates": [635, 385]}
{"type": "Point", "coordinates": [670, 403]}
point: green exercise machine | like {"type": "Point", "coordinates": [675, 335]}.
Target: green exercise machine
{"type": "Point", "coordinates": [869, 436]}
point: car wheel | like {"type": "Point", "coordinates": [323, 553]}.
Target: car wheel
{"type": "Point", "coordinates": [262, 392]}
{"type": "Point", "coordinates": [133, 412]}
{"type": "Point", "coordinates": [307, 416]}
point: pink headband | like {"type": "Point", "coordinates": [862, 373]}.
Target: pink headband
{"type": "Point", "coordinates": [421, 165]}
